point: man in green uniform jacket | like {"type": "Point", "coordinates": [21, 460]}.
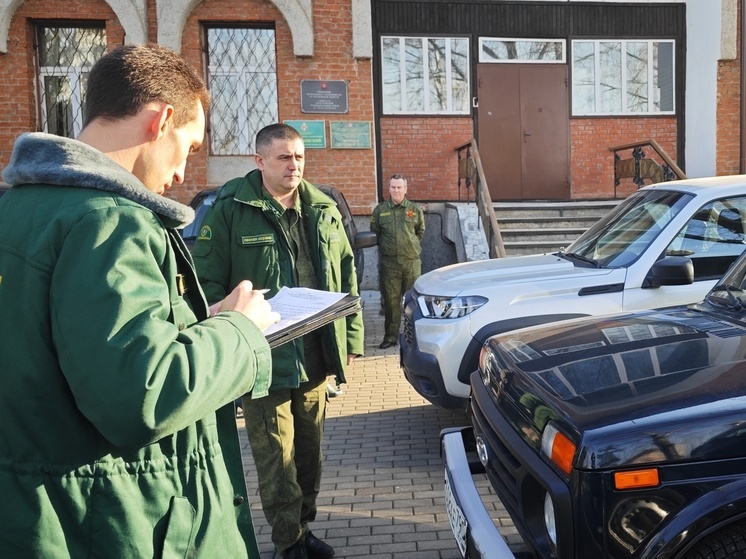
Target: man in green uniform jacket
{"type": "Point", "coordinates": [276, 229]}
{"type": "Point", "coordinates": [400, 226]}
{"type": "Point", "coordinates": [110, 369]}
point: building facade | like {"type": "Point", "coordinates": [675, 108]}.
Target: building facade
{"type": "Point", "coordinates": [395, 86]}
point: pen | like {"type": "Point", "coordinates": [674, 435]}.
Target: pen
{"type": "Point", "coordinates": [263, 291]}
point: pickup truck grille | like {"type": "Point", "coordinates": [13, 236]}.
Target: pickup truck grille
{"type": "Point", "coordinates": [408, 330]}
{"type": "Point", "coordinates": [410, 307]}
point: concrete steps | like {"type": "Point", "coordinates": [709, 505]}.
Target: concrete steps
{"type": "Point", "coordinates": [539, 227]}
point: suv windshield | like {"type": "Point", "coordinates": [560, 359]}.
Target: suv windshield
{"type": "Point", "coordinates": [624, 234]}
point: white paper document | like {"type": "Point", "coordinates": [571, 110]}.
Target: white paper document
{"type": "Point", "coordinates": [296, 304]}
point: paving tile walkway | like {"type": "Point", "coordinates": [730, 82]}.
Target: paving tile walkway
{"type": "Point", "coordinates": [382, 489]}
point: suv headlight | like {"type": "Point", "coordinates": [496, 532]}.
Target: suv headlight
{"type": "Point", "coordinates": [433, 306]}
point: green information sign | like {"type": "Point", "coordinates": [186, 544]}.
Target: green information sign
{"type": "Point", "coordinates": [312, 131]}
{"type": "Point", "coordinates": [349, 135]}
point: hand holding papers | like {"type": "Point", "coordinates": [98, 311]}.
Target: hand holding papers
{"type": "Point", "coordinates": [302, 310]}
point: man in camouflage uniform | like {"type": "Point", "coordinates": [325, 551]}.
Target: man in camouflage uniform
{"type": "Point", "coordinates": [400, 225]}
{"type": "Point", "coordinates": [276, 229]}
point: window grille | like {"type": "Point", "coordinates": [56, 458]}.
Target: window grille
{"type": "Point", "coordinates": [65, 56]}
{"type": "Point", "coordinates": [425, 75]}
{"type": "Point", "coordinates": [243, 84]}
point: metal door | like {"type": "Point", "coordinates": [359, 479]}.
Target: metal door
{"type": "Point", "coordinates": [524, 130]}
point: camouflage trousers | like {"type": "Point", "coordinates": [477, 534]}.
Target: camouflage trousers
{"type": "Point", "coordinates": [396, 279]}
{"type": "Point", "coordinates": [285, 431]}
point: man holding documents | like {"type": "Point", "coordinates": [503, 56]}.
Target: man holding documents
{"type": "Point", "coordinates": [276, 229]}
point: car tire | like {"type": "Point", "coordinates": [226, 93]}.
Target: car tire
{"type": "Point", "coordinates": [727, 542]}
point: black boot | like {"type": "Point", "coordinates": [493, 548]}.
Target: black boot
{"type": "Point", "coordinates": [316, 549]}
{"type": "Point", "coordinates": [295, 551]}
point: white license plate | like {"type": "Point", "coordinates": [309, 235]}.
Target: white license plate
{"type": "Point", "coordinates": [456, 518]}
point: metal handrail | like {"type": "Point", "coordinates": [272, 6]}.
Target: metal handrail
{"type": "Point", "coordinates": [640, 168]}
{"type": "Point", "coordinates": [471, 172]}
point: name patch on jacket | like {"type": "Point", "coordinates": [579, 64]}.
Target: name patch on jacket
{"type": "Point", "coordinates": [266, 239]}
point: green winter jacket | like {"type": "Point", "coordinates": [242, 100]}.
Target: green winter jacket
{"type": "Point", "coordinates": [242, 238]}
{"type": "Point", "coordinates": [110, 374]}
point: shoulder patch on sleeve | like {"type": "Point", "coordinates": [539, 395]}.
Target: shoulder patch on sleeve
{"type": "Point", "coordinates": [205, 233]}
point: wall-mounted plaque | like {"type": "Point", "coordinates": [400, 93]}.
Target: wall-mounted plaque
{"type": "Point", "coordinates": [349, 135]}
{"type": "Point", "coordinates": [323, 96]}
{"type": "Point", "coordinates": [312, 131]}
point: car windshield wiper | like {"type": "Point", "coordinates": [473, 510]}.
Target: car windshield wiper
{"type": "Point", "coordinates": [729, 289]}
{"type": "Point", "coordinates": [576, 256]}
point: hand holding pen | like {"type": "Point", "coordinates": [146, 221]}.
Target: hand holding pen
{"type": "Point", "coordinates": [251, 303]}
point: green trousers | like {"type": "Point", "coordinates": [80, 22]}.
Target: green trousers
{"type": "Point", "coordinates": [285, 431]}
{"type": "Point", "coordinates": [396, 279]}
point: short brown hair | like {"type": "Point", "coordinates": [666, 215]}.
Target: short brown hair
{"type": "Point", "coordinates": [267, 135]}
{"type": "Point", "coordinates": [122, 82]}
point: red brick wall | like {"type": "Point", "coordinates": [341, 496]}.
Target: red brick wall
{"type": "Point", "coordinates": [592, 164]}
{"type": "Point", "coordinates": [352, 170]}
{"type": "Point", "coordinates": [728, 152]}
{"type": "Point", "coordinates": [423, 150]}
{"type": "Point", "coordinates": [18, 105]}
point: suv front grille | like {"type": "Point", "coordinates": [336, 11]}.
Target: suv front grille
{"type": "Point", "coordinates": [410, 308]}
{"type": "Point", "coordinates": [408, 330]}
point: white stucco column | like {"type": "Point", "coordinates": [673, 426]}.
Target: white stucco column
{"type": "Point", "coordinates": [131, 15]}
{"type": "Point", "coordinates": [362, 25]}
{"type": "Point", "coordinates": [711, 36]}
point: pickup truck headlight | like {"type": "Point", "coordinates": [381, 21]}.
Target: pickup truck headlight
{"type": "Point", "coordinates": [433, 306]}
{"type": "Point", "coordinates": [550, 522]}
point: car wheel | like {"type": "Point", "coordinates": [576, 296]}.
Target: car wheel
{"type": "Point", "coordinates": [727, 542]}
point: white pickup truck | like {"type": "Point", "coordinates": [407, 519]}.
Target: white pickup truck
{"type": "Point", "coordinates": [664, 245]}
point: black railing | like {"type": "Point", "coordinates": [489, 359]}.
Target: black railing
{"type": "Point", "coordinates": [641, 168]}
{"type": "Point", "coordinates": [471, 176]}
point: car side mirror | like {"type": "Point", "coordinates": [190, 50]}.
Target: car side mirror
{"type": "Point", "coordinates": [671, 270]}
{"type": "Point", "coordinates": [365, 239]}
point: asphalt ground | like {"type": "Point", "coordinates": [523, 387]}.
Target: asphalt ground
{"type": "Point", "coordinates": [382, 488]}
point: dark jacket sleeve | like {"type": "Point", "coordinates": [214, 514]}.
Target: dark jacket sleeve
{"type": "Point", "coordinates": [212, 258]}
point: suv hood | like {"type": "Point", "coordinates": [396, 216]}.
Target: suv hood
{"type": "Point", "coordinates": [488, 275]}
{"type": "Point", "coordinates": [632, 389]}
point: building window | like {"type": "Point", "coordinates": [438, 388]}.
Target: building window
{"type": "Point", "coordinates": [622, 77]}
{"type": "Point", "coordinates": [425, 75]}
{"type": "Point", "coordinates": [502, 50]}
{"type": "Point", "coordinates": [65, 56]}
{"type": "Point", "coordinates": [242, 79]}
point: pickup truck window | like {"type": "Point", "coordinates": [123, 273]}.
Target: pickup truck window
{"type": "Point", "coordinates": [713, 238]}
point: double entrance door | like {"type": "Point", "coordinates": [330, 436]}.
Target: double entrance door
{"type": "Point", "coordinates": [523, 129]}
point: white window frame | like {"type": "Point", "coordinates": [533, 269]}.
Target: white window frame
{"type": "Point", "coordinates": [484, 60]}
{"type": "Point", "coordinates": [426, 77]}
{"type": "Point", "coordinates": [75, 78]}
{"type": "Point", "coordinates": [625, 111]}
